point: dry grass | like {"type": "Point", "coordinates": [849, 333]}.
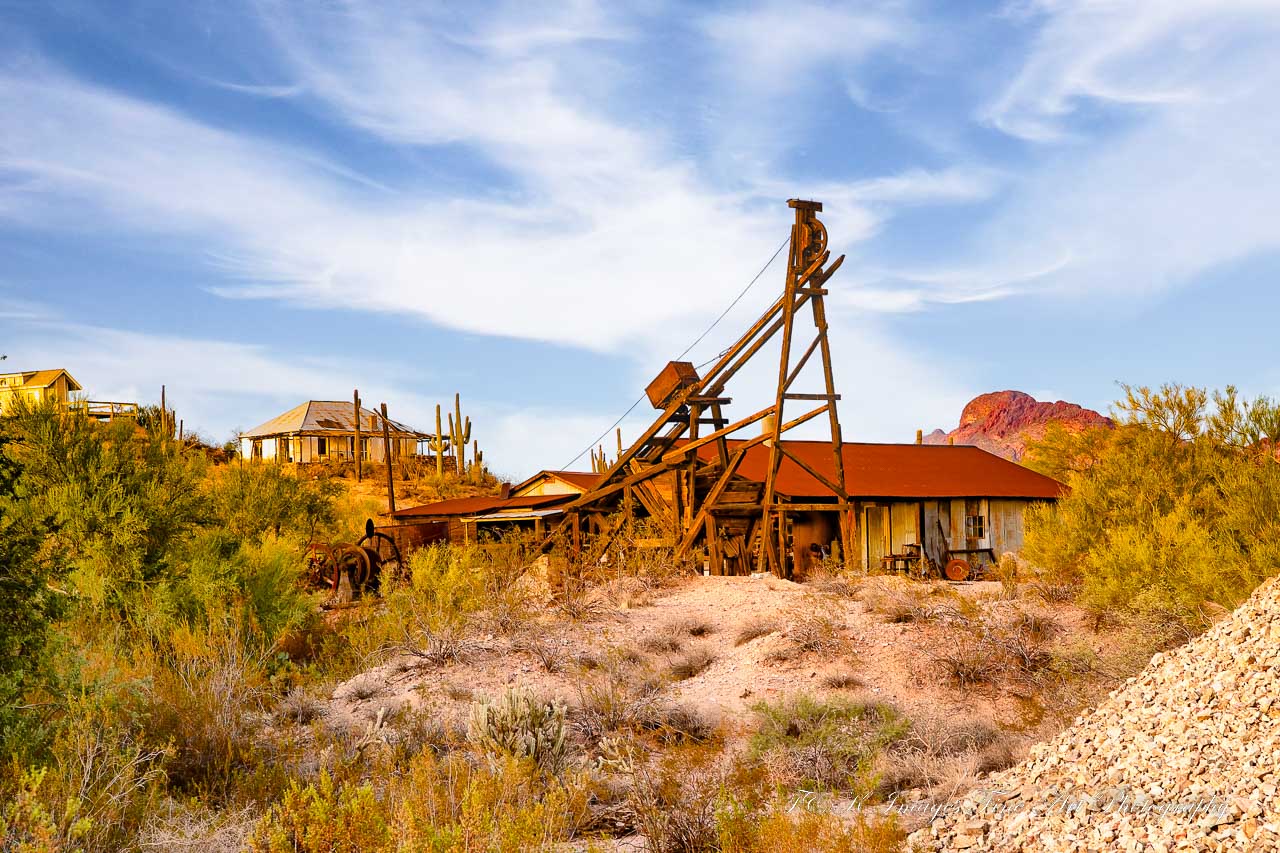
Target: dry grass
{"type": "Point", "coordinates": [551, 655]}
{"type": "Point", "coordinates": [662, 643]}
{"type": "Point", "coordinates": [754, 630]}
{"type": "Point", "coordinates": [363, 687]}
{"type": "Point", "coordinates": [299, 706]}
{"type": "Point", "coordinates": [944, 758]}
{"type": "Point", "coordinates": [900, 600]}
{"type": "Point", "coordinates": [692, 661]}
{"type": "Point", "coordinates": [842, 680]}
{"type": "Point", "coordinates": [968, 663]}
{"type": "Point", "coordinates": [816, 626]}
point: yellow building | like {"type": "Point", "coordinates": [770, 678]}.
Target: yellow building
{"type": "Point", "coordinates": [35, 387]}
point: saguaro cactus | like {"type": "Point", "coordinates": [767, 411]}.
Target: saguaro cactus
{"type": "Point", "coordinates": [437, 445]}
{"type": "Point", "coordinates": [460, 433]}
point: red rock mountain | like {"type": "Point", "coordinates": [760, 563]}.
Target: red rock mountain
{"type": "Point", "coordinates": [1005, 422]}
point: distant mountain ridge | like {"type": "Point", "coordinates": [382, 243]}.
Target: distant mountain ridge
{"type": "Point", "coordinates": [1005, 422]}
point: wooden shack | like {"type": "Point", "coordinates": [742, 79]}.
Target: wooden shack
{"type": "Point", "coordinates": [947, 500]}
{"type": "Point", "coordinates": [323, 430]}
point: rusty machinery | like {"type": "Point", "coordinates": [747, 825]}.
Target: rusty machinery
{"type": "Point", "coordinates": [699, 500]}
{"type": "Point", "coordinates": [364, 562]}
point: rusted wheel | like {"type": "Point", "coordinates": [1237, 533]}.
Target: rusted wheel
{"type": "Point", "coordinates": [322, 567]}
{"type": "Point", "coordinates": [354, 560]}
{"type": "Point", "coordinates": [957, 570]}
{"type": "Point", "coordinates": [384, 552]}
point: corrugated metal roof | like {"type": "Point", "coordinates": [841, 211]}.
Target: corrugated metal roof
{"type": "Point", "coordinates": [899, 471]}
{"type": "Point", "coordinates": [585, 480]}
{"type": "Point", "coordinates": [325, 416]}
{"type": "Point", "coordinates": [480, 504]}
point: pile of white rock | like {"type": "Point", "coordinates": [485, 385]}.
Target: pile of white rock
{"type": "Point", "coordinates": [1184, 756]}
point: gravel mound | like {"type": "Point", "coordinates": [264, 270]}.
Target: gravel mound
{"type": "Point", "coordinates": [1184, 756]}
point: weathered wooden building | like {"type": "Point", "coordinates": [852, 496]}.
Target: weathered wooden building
{"type": "Point", "coordinates": [322, 430]}
{"type": "Point", "coordinates": [947, 501]}
{"type": "Point", "coordinates": [528, 505]}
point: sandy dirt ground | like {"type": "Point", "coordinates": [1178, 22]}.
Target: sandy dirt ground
{"type": "Point", "coordinates": [893, 662]}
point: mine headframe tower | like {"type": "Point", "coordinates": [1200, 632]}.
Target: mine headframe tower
{"type": "Point", "coordinates": [687, 481]}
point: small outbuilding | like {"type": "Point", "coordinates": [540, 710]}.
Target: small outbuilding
{"type": "Point", "coordinates": [528, 506]}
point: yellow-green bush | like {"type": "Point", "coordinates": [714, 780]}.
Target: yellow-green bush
{"type": "Point", "coordinates": [785, 829]}
{"type": "Point", "coordinates": [1173, 512]}
{"type": "Point", "coordinates": [448, 804]}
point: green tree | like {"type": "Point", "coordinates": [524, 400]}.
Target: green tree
{"type": "Point", "coordinates": [1174, 511]}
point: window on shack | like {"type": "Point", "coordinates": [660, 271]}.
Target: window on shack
{"type": "Point", "coordinates": [975, 527]}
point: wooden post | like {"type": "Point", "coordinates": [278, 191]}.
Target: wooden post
{"type": "Point", "coordinates": [181, 424]}
{"type": "Point", "coordinates": [164, 416]}
{"type": "Point", "coordinates": [355, 404]}
{"type": "Point", "coordinates": [386, 453]}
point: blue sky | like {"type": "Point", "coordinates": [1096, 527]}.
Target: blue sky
{"type": "Point", "coordinates": [263, 202]}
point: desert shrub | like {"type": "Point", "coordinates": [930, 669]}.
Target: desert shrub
{"type": "Point", "coordinates": [1006, 572]}
{"type": "Point", "coordinates": [252, 499]}
{"type": "Point", "coordinates": [900, 600]}
{"type": "Point", "coordinates": [815, 625]}
{"type": "Point", "coordinates": [753, 630]}
{"type": "Point", "coordinates": [823, 744]}
{"type": "Point", "coordinates": [111, 504]}
{"type": "Point", "coordinates": [506, 807]}
{"type": "Point", "coordinates": [943, 757]}
{"type": "Point", "coordinates": [696, 626]}
{"type": "Point", "coordinates": [194, 827]}
{"type": "Point", "coordinates": [299, 706]}
{"type": "Point", "coordinates": [692, 661]}
{"type": "Point", "coordinates": [783, 829]}
{"type": "Point", "coordinates": [92, 795]}
{"type": "Point", "coordinates": [552, 656]}
{"type": "Point", "coordinates": [968, 662]}
{"type": "Point", "coordinates": [324, 817]}
{"type": "Point", "coordinates": [841, 680]}
{"type": "Point", "coordinates": [672, 799]}
{"type": "Point", "coordinates": [663, 640]}
{"type": "Point", "coordinates": [208, 691]}
{"type": "Point", "coordinates": [1174, 511]}
{"type": "Point", "coordinates": [522, 727]}
{"type": "Point", "coordinates": [617, 698]}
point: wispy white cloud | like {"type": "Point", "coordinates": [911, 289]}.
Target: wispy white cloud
{"type": "Point", "coordinates": [1151, 52]}
{"type": "Point", "coordinates": [1171, 179]}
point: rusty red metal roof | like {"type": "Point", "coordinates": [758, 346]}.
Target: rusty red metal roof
{"type": "Point", "coordinates": [900, 471]}
{"type": "Point", "coordinates": [479, 504]}
{"type": "Point", "coordinates": [585, 480]}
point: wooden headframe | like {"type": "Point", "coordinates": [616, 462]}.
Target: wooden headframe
{"type": "Point", "coordinates": [700, 502]}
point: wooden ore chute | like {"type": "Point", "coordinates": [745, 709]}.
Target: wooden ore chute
{"type": "Point", "coordinates": [702, 502]}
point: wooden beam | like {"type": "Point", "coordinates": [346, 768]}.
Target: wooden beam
{"type": "Point", "coordinates": [386, 453]}
{"type": "Point", "coordinates": [692, 446]}
{"type": "Point", "coordinates": [804, 359]}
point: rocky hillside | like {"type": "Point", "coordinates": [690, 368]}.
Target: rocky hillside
{"type": "Point", "coordinates": [1005, 422]}
{"type": "Point", "coordinates": [1180, 758]}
